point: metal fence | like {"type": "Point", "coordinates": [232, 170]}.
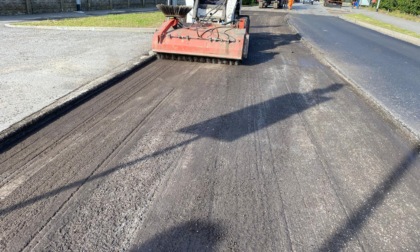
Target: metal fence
{"type": "Point", "coordinates": [13, 7]}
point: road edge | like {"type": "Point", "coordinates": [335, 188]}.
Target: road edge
{"type": "Point", "coordinates": [63, 104]}
{"type": "Point", "coordinates": [387, 115]}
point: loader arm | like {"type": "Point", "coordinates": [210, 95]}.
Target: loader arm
{"type": "Point", "coordinates": [160, 34]}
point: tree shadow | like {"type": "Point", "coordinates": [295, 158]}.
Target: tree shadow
{"type": "Point", "coordinates": [228, 127]}
{"type": "Point", "coordinates": [194, 235]}
{"type": "Point", "coordinates": [263, 45]}
{"type": "Point", "coordinates": [358, 218]}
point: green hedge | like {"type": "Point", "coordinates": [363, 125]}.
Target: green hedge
{"type": "Point", "coordinates": [407, 6]}
{"type": "Point", "coordinates": [248, 2]}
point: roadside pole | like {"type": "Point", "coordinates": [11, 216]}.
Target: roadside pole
{"type": "Point", "coordinates": [78, 3]}
{"type": "Point", "coordinates": [377, 5]}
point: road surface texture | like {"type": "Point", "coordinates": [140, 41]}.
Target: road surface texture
{"type": "Point", "coordinates": [385, 67]}
{"type": "Point", "coordinates": [276, 154]}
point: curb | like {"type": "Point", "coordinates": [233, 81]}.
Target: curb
{"type": "Point", "coordinates": [62, 105]}
{"type": "Point", "coordinates": [397, 35]}
{"type": "Point", "coordinates": [382, 110]}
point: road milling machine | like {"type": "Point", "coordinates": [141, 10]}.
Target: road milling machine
{"type": "Point", "coordinates": [212, 31]}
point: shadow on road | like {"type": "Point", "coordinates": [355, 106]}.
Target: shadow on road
{"type": "Point", "coordinates": [228, 127]}
{"type": "Point", "coordinates": [194, 235]}
{"type": "Point", "coordinates": [264, 46]}
{"type": "Point", "coordinates": [358, 218]}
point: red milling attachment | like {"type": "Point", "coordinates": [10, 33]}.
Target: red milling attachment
{"type": "Point", "coordinates": [202, 39]}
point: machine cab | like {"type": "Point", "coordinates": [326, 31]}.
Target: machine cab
{"type": "Point", "coordinates": [213, 10]}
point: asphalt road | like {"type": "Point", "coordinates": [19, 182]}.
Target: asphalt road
{"type": "Point", "coordinates": [273, 155]}
{"type": "Point", "coordinates": [385, 67]}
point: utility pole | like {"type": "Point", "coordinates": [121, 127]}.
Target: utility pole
{"type": "Point", "coordinates": [28, 7]}
{"type": "Point", "coordinates": [377, 5]}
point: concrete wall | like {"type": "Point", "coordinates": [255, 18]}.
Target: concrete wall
{"type": "Point", "coordinates": [13, 7]}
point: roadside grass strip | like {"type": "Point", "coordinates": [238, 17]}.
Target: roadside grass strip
{"type": "Point", "coordinates": [372, 21]}
{"type": "Point", "coordinates": [132, 20]}
{"type": "Point", "coordinates": [395, 13]}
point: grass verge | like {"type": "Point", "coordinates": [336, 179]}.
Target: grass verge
{"type": "Point", "coordinates": [133, 20]}
{"type": "Point", "coordinates": [395, 13]}
{"type": "Point", "coordinates": [369, 20]}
